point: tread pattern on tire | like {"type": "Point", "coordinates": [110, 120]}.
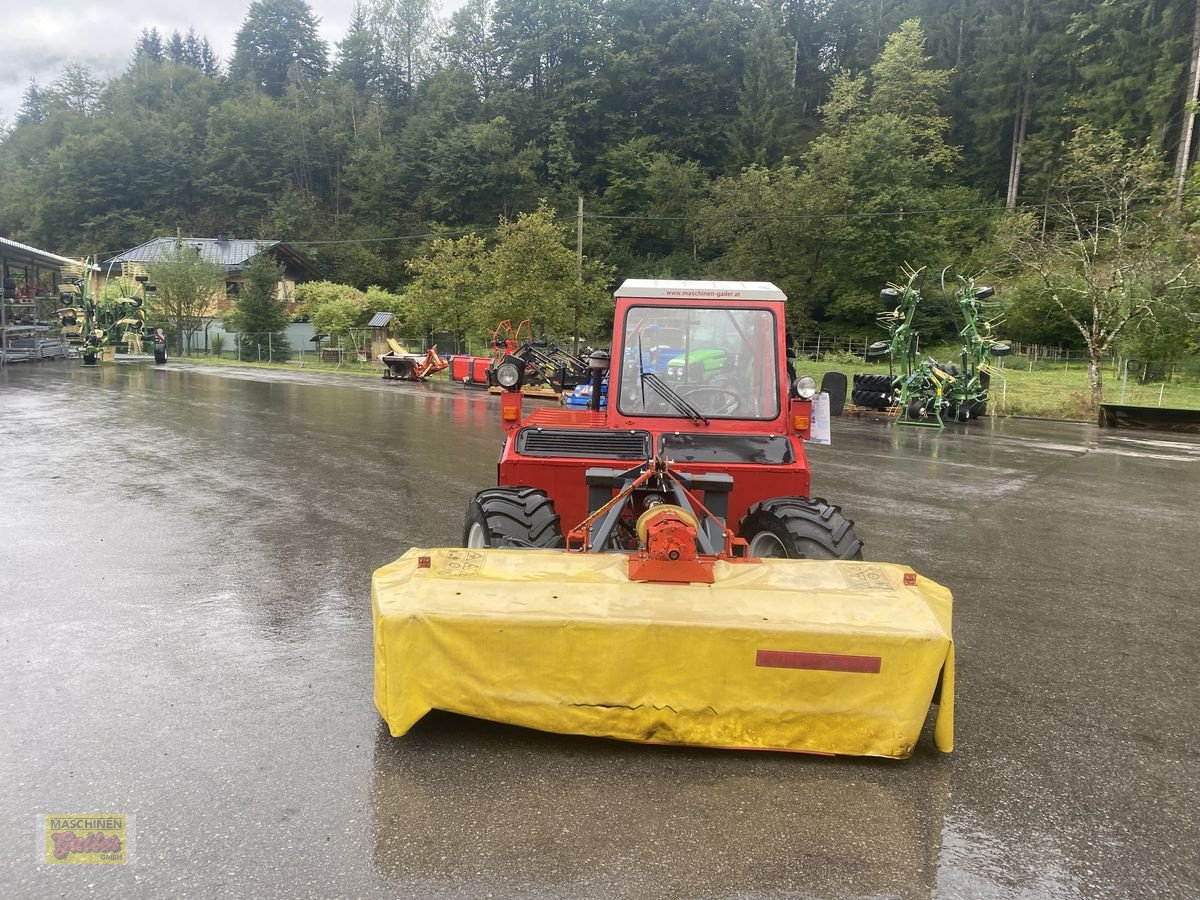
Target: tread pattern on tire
{"type": "Point", "coordinates": [881, 384]}
{"type": "Point", "coordinates": [871, 399]}
{"type": "Point", "coordinates": [873, 391]}
{"type": "Point", "coordinates": [810, 519]}
{"type": "Point", "coordinates": [517, 517]}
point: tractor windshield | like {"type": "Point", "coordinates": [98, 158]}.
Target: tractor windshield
{"type": "Point", "coordinates": [721, 362]}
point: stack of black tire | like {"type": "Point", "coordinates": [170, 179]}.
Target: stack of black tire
{"type": "Point", "coordinates": [873, 391]}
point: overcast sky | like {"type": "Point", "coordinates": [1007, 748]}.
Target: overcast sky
{"type": "Point", "coordinates": [42, 36]}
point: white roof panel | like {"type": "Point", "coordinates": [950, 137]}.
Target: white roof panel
{"type": "Point", "coordinates": [43, 256]}
{"type": "Point", "coordinates": [655, 288]}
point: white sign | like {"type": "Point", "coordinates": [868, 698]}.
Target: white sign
{"type": "Point", "coordinates": [819, 432]}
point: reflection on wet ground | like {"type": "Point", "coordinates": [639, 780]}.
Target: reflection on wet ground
{"type": "Point", "coordinates": [186, 556]}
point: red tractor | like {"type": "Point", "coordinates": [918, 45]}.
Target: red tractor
{"type": "Point", "coordinates": [697, 383]}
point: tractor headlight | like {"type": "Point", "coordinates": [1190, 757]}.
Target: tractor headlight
{"type": "Point", "coordinates": [805, 387]}
{"type": "Point", "coordinates": [509, 372]}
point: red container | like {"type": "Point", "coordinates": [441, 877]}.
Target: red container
{"type": "Point", "coordinates": [479, 369]}
{"type": "Point", "coordinates": [460, 368]}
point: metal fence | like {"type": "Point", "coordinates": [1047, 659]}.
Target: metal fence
{"type": "Point", "coordinates": [353, 350]}
{"type": "Point", "coordinates": [1035, 380]}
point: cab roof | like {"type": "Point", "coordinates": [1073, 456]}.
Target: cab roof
{"type": "Point", "coordinates": [655, 288]}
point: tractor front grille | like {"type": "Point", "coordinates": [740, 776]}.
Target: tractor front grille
{"type": "Point", "coordinates": [583, 442]}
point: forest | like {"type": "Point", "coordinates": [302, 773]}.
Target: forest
{"type": "Point", "coordinates": [819, 144]}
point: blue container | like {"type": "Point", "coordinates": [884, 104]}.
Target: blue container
{"type": "Point", "coordinates": [581, 397]}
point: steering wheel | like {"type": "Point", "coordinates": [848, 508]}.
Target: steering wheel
{"type": "Point", "coordinates": [713, 401]}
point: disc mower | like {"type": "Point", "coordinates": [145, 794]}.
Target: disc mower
{"type": "Point", "coordinates": [657, 570]}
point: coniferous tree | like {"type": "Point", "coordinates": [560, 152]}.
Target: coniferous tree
{"type": "Point", "coordinates": [259, 315]}
{"type": "Point", "coordinates": [33, 105]}
{"type": "Point", "coordinates": [276, 36]}
{"type": "Point", "coordinates": [175, 47]}
{"type": "Point", "coordinates": [765, 107]}
{"type": "Point", "coordinates": [359, 56]}
{"type": "Point", "coordinates": [210, 63]}
{"type": "Point", "coordinates": [191, 49]}
{"type": "Point", "coordinates": [149, 46]}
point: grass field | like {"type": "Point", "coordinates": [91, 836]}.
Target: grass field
{"type": "Point", "coordinates": [1049, 391]}
{"type": "Point", "coordinates": [1044, 389]}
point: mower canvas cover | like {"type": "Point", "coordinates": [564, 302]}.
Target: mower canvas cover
{"type": "Point", "coordinates": [806, 655]}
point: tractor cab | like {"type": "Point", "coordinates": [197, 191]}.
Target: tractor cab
{"type": "Point", "coordinates": [698, 363]}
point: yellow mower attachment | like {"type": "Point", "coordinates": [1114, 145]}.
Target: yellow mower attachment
{"type": "Point", "coordinates": [830, 657]}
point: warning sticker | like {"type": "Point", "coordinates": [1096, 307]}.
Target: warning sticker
{"type": "Point", "coordinates": [460, 562]}
{"type": "Point", "coordinates": [866, 577]}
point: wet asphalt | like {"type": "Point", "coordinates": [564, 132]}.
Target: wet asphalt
{"type": "Point", "coordinates": [185, 556]}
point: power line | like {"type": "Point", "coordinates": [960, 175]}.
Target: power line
{"type": "Point", "coordinates": [774, 217]}
{"type": "Point", "coordinates": [399, 237]}
{"type": "Point", "coordinates": [898, 213]}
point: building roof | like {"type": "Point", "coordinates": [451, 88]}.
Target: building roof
{"type": "Point", "coordinates": [380, 319]}
{"type": "Point", "coordinates": [36, 255]}
{"type": "Point", "coordinates": [233, 254]}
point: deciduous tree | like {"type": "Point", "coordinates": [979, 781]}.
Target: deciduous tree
{"type": "Point", "coordinates": [187, 288]}
{"type": "Point", "coordinates": [531, 273]}
{"type": "Point", "coordinates": [1114, 254]}
{"type": "Point", "coordinates": [449, 288]}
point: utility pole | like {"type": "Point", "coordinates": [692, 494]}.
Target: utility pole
{"type": "Point", "coordinates": [578, 270]}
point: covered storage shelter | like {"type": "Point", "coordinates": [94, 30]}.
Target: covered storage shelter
{"type": "Point", "coordinates": [29, 326]}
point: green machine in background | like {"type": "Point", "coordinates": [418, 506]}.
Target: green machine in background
{"type": "Point", "coordinates": [96, 325]}
{"type": "Point", "coordinates": [923, 391]}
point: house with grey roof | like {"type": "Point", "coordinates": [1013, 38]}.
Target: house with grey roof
{"type": "Point", "coordinates": [234, 254]}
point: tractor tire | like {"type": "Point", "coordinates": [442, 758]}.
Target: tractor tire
{"type": "Point", "coordinates": [968, 410]}
{"type": "Point", "coordinates": [918, 409]}
{"type": "Point", "coordinates": [799, 528]}
{"type": "Point", "coordinates": [512, 517]}
{"type": "Point", "coordinates": [871, 399]}
{"type": "Point", "coordinates": [881, 384]}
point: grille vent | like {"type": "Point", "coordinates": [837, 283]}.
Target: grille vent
{"type": "Point", "coordinates": [583, 442]}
